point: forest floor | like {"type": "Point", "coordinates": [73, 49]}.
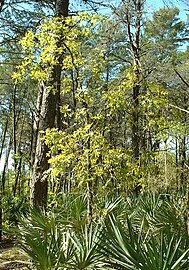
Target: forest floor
{"type": "Point", "coordinates": [11, 257]}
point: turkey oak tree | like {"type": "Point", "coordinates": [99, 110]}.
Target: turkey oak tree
{"type": "Point", "coordinates": [47, 117]}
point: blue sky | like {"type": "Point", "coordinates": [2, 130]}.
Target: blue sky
{"type": "Point", "coordinates": [155, 5]}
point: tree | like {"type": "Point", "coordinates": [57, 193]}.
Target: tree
{"type": "Point", "coordinates": [47, 111]}
{"type": "Point", "coordinates": [17, 101]}
{"type": "Point", "coordinates": [166, 33]}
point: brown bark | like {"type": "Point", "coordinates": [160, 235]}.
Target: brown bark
{"type": "Point", "coordinates": [187, 206]}
{"type": "Point", "coordinates": [1, 214]}
{"type": "Point", "coordinates": [89, 186]}
{"type": "Point", "coordinates": [89, 175]}
{"type": "Point", "coordinates": [18, 172]}
{"type": "Point", "coordinates": [2, 183]}
{"type": "Point", "coordinates": [47, 113]}
{"type": "Point", "coordinates": [14, 126]}
{"type": "Point", "coordinates": [3, 138]}
{"type": "Point", "coordinates": [3, 178]}
{"type": "Point", "coordinates": [182, 158]}
{"type": "Point", "coordinates": [89, 202]}
{"type": "Point", "coordinates": [134, 42]}
{"type": "Point", "coordinates": [40, 162]}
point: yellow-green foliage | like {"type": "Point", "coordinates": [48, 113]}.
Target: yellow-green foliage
{"type": "Point", "coordinates": [53, 39]}
{"type": "Point", "coordinates": [70, 152]}
{"type": "Point", "coordinates": [91, 107]}
{"type": "Point", "coordinates": [154, 106]}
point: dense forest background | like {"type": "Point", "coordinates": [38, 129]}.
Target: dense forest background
{"type": "Point", "coordinates": [94, 105]}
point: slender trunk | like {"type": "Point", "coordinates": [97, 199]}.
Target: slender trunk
{"type": "Point", "coordinates": [135, 44]}
{"type": "Point", "coordinates": [3, 138]}
{"type": "Point", "coordinates": [89, 175]}
{"type": "Point", "coordinates": [17, 176]}
{"type": "Point", "coordinates": [134, 41]}
{"type": "Point", "coordinates": [90, 202]}
{"type": "Point", "coordinates": [187, 205]}
{"type": "Point", "coordinates": [165, 164]}
{"type": "Point", "coordinates": [149, 141]}
{"type": "Point", "coordinates": [135, 125]}
{"type": "Point", "coordinates": [89, 187]}
{"type": "Point", "coordinates": [176, 161]}
{"type": "Point", "coordinates": [2, 186]}
{"type": "Point", "coordinates": [1, 212]}
{"type": "Point", "coordinates": [74, 88]}
{"type": "Point", "coordinates": [14, 127]}
{"type": "Point", "coordinates": [182, 154]}
{"type": "Point", "coordinates": [3, 178]}
{"type": "Point", "coordinates": [48, 114]}
{"type": "Point", "coordinates": [19, 162]}
{"type": "Point", "coordinates": [35, 128]}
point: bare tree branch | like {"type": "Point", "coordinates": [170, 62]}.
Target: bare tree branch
{"type": "Point", "coordinates": [182, 79]}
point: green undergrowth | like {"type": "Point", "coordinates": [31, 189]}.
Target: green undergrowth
{"type": "Point", "coordinates": [141, 233]}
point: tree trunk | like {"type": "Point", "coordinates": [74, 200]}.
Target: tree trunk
{"type": "Point", "coordinates": [134, 42]}
{"type": "Point", "coordinates": [3, 139]}
{"type": "Point", "coordinates": [177, 164]}
{"type": "Point", "coordinates": [3, 178]}
{"type": "Point", "coordinates": [165, 165]}
{"type": "Point", "coordinates": [17, 174]}
{"type": "Point", "coordinates": [182, 157]}
{"type": "Point", "coordinates": [14, 127]}
{"type": "Point", "coordinates": [89, 202]}
{"type": "Point", "coordinates": [135, 125]}
{"type": "Point", "coordinates": [1, 212]}
{"type": "Point", "coordinates": [47, 111]}
{"type": "Point", "coordinates": [89, 184]}
{"type": "Point", "coordinates": [187, 205]}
